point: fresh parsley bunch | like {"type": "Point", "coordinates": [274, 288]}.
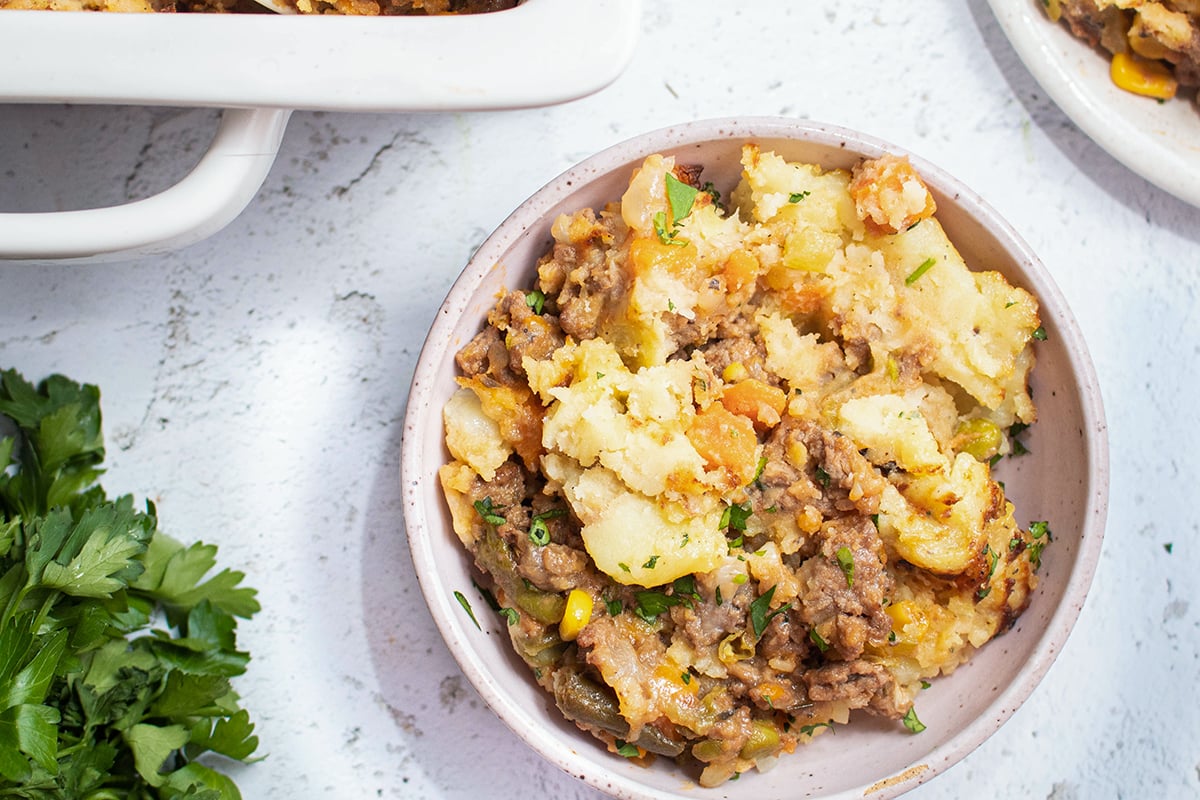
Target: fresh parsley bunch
{"type": "Point", "coordinates": [115, 652]}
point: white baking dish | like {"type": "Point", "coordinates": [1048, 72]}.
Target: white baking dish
{"type": "Point", "coordinates": [539, 53]}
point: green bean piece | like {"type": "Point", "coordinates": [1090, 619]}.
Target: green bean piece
{"type": "Point", "coordinates": [495, 556]}
{"type": "Point", "coordinates": [586, 702]}
{"type": "Point", "coordinates": [763, 741]}
{"type": "Point", "coordinates": [707, 750]}
{"type": "Point", "coordinates": [540, 647]}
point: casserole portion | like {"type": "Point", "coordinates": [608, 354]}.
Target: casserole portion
{"type": "Point", "coordinates": [725, 469]}
{"type": "Point", "coordinates": [347, 7]}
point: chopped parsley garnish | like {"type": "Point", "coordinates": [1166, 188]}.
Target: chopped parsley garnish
{"type": "Point", "coordinates": [686, 677]}
{"type": "Point", "coordinates": [535, 300]}
{"type": "Point", "coordinates": [614, 607]}
{"type": "Point", "coordinates": [721, 601]}
{"type": "Point", "coordinates": [466, 604]}
{"type": "Point", "coordinates": [822, 477]}
{"type": "Point", "coordinates": [735, 516]}
{"type": "Point", "coordinates": [652, 602]}
{"type": "Point", "coordinates": [1168, 546]}
{"type": "Point", "coordinates": [1039, 333]}
{"type": "Point", "coordinates": [993, 559]}
{"type": "Point", "coordinates": [624, 567]}
{"type": "Point", "coordinates": [796, 197]}
{"type": "Point", "coordinates": [925, 684]}
{"type": "Point", "coordinates": [685, 586]}
{"type": "Point", "coordinates": [760, 617]}
{"type": "Point", "coordinates": [818, 640]}
{"type": "Point", "coordinates": [845, 561]}
{"type": "Point", "coordinates": [809, 730]}
{"type": "Point", "coordinates": [1040, 531]}
{"type": "Point", "coordinates": [511, 615]}
{"type": "Point", "coordinates": [488, 511]}
{"type": "Point", "coordinates": [664, 235]}
{"type": "Point", "coordinates": [650, 562]}
{"type": "Point", "coordinates": [681, 197]}
{"type": "Point", "coordinates": [626, 749]}
{"type": "Point", "coordinates": [911, 722]}
{"type": "Point", "coordinates": [758, 471]}
{"type": "Point", "coordinates": [916, 274]}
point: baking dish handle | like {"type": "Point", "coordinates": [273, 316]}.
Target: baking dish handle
{"type": "Point", "coordinates": [204, 201]}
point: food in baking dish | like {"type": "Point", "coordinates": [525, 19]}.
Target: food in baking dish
{"type": "Point", "coordinates": [348, 7]}
{"type": "Point", "coordinates": [725, 467]}
{"type": "Point", "coordinates": [1154, 46]}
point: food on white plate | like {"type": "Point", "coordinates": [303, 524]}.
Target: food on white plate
{"type": "Point", "coordinates": [117, 648]}
{"type": "Point", "coordinates": [347, 7]}
{"type": "Point", "coordinates": [725, 467]}
{"type": "Point", "coordinates": [1154, 46]}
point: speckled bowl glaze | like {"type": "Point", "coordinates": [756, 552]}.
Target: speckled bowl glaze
{"type": "Point", "coordinates": [1064, 480]}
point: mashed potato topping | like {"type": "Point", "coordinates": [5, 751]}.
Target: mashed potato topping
{"type": "Point", "coordinates": [729, 465]}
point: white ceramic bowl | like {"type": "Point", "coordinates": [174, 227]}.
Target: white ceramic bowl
{"type": "Point", "coordinates": [1064, 480]}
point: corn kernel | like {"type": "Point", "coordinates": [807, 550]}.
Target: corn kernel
{"type": "Point", "coordinates": [576, 615]}
{"type": "Point", "coordinates": [736, 371]}
{"type": "Point", "coordinates": [1142, 76]}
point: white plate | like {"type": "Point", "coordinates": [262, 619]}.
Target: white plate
{"type": "Point", "coordinates": [1159, 141]}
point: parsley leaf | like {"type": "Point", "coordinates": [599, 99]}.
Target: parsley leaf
{"type": "Point", "coordinates": [650, 603]}
{"type": "Point", "coordinates": [466, 604]}
{"type": "Point", "coordinates": [760, 617]}
{"type": "Point", "coordinates": [625, 748]}
{"type": "Point", "coordinates": [735, 516]}
{"type": "Point", "coordinates": [916, 274]}
{"type": "Point", "coordinates": [845, 561]}
{"type": "Point", "coordinates": [488, 511]}
{"type": "Point", "coordinates": [681, 197]}
{"type": "Point", "coordinates": [116, 651]}
{"type": "Point", "coordinates": [911, 722]}
{"type": "Point", "coordinates": [535, 300]}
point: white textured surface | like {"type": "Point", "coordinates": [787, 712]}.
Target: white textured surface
{"type": "Point", "coordinates": [254, 383]}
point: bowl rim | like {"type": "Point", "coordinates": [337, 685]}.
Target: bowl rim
{"type": "Point", "coordinates": [1052, 637]}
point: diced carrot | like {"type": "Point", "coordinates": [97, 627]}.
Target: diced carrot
{"type": "Point", "coordinates": [650, 255]}
{"type": "Point", "coordinates": [518, 413]}
{"type": "Point", "coordinates": [761, 403]}
{"type": "Point", "coordinates": [741, 271]}
{"type": "Point", "coordinates": [725, 440]}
